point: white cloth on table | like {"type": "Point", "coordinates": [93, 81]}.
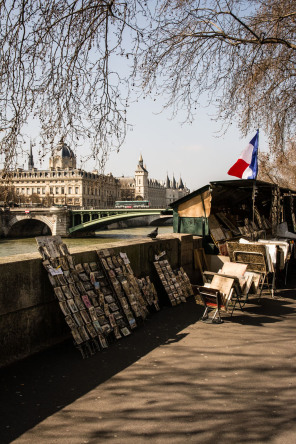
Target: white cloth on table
{"type": "Point", "coordinates": [284, 249]}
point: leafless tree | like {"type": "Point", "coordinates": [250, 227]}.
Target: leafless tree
{"type": "Point", "coordinates": [238, 55]}
{"type": "Point", "coordinates": [279, 167]}
{"type": "Point", "coordinates": [63, 62]}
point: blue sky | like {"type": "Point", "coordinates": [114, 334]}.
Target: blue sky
{"type": "Point", "coordinates": [193, 150]}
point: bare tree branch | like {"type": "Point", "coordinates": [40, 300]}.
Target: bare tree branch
{"type": "Point", "coordinates": [238, 55]}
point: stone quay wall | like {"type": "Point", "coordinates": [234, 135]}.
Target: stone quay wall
{"type": "Point", "coordinates": [30, 317]}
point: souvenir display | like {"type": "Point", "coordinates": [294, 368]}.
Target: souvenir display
{"type": "Point", "coordinates": [149, 292]}
{"type": "Point", "coordinates": [134, 296]}
{"type": "Point", "coordinates": [77, 295]}
{"type": "Point", "coordinates": [86, 297]}
{"type": "Point", "coordinates": [184, 281]}
{"type": "Point", "coordinates": [104, 301]}
{"type": "Point", "coordinates": [175, 284]}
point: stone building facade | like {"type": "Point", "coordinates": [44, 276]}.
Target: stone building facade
{"type": "Point", "coordinates": [64, 184]}
{"type": "Point", "coordinates": [159, 194]}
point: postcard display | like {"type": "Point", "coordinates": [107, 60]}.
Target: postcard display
{"type": "Point", "coordinates": [101, 301]}
{"type": "Point", "coordinates": [176, 283]}
{"type": "Point", "coordinates": [137, 297]}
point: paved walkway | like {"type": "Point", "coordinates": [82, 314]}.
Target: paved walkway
{"type": "Point", "coordinates": [175, 380]}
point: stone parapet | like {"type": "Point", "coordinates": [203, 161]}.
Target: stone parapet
{"type": "Point", "coordinates": [30, 318]}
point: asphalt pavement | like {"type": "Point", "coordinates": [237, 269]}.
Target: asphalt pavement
{"type": "Point", "coordinates": [174, 380]}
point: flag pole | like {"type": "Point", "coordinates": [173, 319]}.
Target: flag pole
{"type": "Point", "coordinates": [246, 167]}
{"type": "Point", "coordinates": [253, 198]}
{"type": "Point", "coordinates": [255, 178]}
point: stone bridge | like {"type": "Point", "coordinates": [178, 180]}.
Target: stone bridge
{"type": "Point", "coordinates": [24, 222]}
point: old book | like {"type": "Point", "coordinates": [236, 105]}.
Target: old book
{"type": "Point", "coordinates": [79, 268]}
{"type": "Point", "coordinates": [125, 331]}
{"type": "Point", "coordinates": [74, 290]}
{"type": "Point", "coordinates": [72, 305]}
{"type": "Point", "coordinates": [83, 333]}
{"type": "Point", "coordinates": [64, 308]}
{"type": "Point", "coordinates": [69, 277]}
{"type": "Point", "coordinates": [85, 316]}
{"type": "Point", "coordinates": [97, 326]}
{"type": "Point", "coordinates": [116, 332]}
{"type": "Point", "coordinates": [67, 292]}
{"type": "Point", "coordinates": [78, 319]}
{"type": "Point", "coordinates": [83, 277]}
{"type": "Point", "coordinates": [59, 294]}
{"type": "Point", "coordinates": [77, 338]}
{"type": "Point", "coordinates": [79, 303]}
{"type": "Point", "coordinates": [86, 267]}
{"type": "Point", "coordinates": [86, 301]}
{"type": "Point", "coordinates": [93, 266]}
{"type": "Point", "coordinates": [81, 288]}
{"type": "Point", "coordinates": [91, 330]}
{"type": "Point", "coordinates": [70, 321]}
{"type": "Point", "coordinates": [93, 314]}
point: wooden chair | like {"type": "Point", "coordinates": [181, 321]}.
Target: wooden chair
{"type": "Point", "coordinates": [212, 300]}
{"type": "Point", "coordinates": [242, 280]}
{"type": "Point", "coordinates": [219, 295]}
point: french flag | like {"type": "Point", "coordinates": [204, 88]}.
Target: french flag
{"type": "Point", "coordinates": [246, 167]}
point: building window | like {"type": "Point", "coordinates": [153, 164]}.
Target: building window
{"type": "Point", "coordinates": [62, 190]}
{"type": "Point", "coordinates": [38, 190]}
{"type": "Point", "coordinates": [57, 190]}
{"type": "Point", "coordinates": [28, 190]}
{"type": "Point", "coordinates": [76, 190]}
{"type": "Point", "coordinates": [43, 190]}
{"type": "Point", "coordinates": [70, 190]}
{"type": "Point", "coordinates": [51, 190]}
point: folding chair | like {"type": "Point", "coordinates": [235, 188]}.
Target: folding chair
{"type": "Point", "coordinates": [211, 299]}
{"type": "Point", "coordinates": [218, 295]}
{"type": "Point", "coordinates": [242, 283]}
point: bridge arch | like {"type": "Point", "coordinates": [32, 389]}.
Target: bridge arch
{"type": "Point", "coordinates": [24, 226]}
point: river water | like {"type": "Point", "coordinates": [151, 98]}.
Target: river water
{"type": "Point", "coordinates": [11, 247]}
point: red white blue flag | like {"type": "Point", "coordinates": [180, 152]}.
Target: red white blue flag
{"type": "Point", "coordinates": [246, 167]}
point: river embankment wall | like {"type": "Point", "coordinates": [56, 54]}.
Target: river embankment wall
{"type": "Point", "coordinates": [30, 317]}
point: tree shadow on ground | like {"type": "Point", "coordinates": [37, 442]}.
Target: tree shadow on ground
{"type": "Point", "coordinates": [215, 386]}
{"type": "Point", "coordinates": [38, 386]}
